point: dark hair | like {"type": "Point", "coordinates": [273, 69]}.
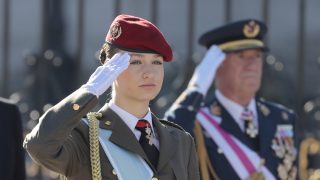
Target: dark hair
{"type": "Point", "coordinates": [106, 52]}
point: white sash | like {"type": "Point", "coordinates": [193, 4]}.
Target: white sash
{"type": "Point", "coordinates": [242, 159]}
{"type": "Point", "coordinates": [128, 165]}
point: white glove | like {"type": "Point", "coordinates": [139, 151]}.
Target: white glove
{"type": "Point", "coordinates": [205, 72]}
{"type": "Point", "coordinates": [105, 74]}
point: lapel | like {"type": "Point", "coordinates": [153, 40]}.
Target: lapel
{"type": "Point", "coordinates": [121, 134]}
{"type": "Point", "coordinates": [266, 129]}
{"type": "Point", "coordinates": [230, 125]}
{"type": "Point", "coordinates": [168, 143]}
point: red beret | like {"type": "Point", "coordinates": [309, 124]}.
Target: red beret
{"type": "Point", "coordinates": [135, 34]}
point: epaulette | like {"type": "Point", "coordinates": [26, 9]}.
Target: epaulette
{"type": "Point", "coordinates": [169, 123]}
{"type": "Point", "coordinates": [277, 105]}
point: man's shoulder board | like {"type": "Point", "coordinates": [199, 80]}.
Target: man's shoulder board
{"type": "Point", "coordinates": [276, 106]}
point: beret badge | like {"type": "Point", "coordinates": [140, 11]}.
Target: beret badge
{"type": "Point", "coordinates": [251, 29]}
{"type": "Point", "coordinates": [115, 31]}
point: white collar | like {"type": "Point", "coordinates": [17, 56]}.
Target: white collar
{"type": "Point", "coordinates": [235, 109]}
{"type": "Point", "coordinates": [129, 119]}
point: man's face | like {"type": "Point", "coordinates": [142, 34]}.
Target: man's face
{"type": "Point", "coordinates": [241, 72]}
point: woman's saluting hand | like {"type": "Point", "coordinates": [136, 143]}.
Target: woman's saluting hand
{"type": "Point", "coordinates": [105, 74]}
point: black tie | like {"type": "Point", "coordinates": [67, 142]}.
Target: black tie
{"type": "Point", "coordinates": [146, 141]}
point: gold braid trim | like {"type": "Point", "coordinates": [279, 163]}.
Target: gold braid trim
{"type": "Point", "coordinates": [205, 164]}
{"type": "Point", "coordinates": [94, 144]}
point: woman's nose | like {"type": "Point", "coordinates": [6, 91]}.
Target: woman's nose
{"type": "Point", "coordinates": [148, 72]}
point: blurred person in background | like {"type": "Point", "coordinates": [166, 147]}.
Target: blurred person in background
{"type": "Point", "coordinates": [12, 162]}
{"type": "Point", "coordinates": [238, 134]}
{"type": "Point", "coordinates": [124, 140]}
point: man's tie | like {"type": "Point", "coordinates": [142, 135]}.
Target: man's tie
{"type": "Point", "coordinates": [249, 128]}
{"type": "Point", "coordinates": [146, 141]}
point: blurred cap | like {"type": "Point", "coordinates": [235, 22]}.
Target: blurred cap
{"type": "Point", "coordinates": [136, 34]}
{"type": "Point", "coordinates": [240, 35]}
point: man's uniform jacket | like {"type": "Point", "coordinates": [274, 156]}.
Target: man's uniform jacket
{"type": "Point", "coordinates": [270, 116]}
{"type": "Point", "coordinates": [60, 142]}
{"type": "Point", "coordinates": [12, 166]}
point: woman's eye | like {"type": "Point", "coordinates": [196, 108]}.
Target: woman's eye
{"type": "Point", "coordinates": [157, 62]}
{"type": "Point", "coordinates": [135, 62]}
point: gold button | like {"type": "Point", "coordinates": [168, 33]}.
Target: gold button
{"type": "Point", "coordinates": [154, 178]}
{"type": "Point", "coordinates": [108, 123]}
{"type": "Point", "coordinates": [114, 172]}
{"type": "Point", "coordinates": [76, 107]}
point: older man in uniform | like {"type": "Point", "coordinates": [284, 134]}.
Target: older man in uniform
{"type": "Point", "coordinates": [238, 135]}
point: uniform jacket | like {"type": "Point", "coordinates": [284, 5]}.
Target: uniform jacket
{"type": "Point", "coordinates": [270, 115]}
{"type": "Point", "coordinates": [11, 152]}
{"type": "Point", "coordinates": [60, 142]}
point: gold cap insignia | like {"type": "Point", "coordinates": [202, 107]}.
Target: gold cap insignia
{"type": "Point", "coordinates": [251, 29]}
{"type": "Point", "coordinates": [115, 31]}
{"type": "Point", "coordinates": [215, 109]}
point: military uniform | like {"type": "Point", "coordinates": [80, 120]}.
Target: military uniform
{"type": "Point", "coordinates": [60, 142]}
{"type": "Point", "coordinates": [270, 115]}
{"type": "Point", "coordinates": [102, 145]}
{"type": "Point", "coordinates": [229, 146]}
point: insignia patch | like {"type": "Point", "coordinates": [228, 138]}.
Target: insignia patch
{"type": "Point", "coordinates": [285, 116]}
{"type": "Point", "coordinates": [115, 31]}
{"type": "Point", "coordinates": [265, 111]}
{"type": "Point", "coordinates": [251, 29]}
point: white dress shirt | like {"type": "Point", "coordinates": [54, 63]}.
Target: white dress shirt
{"type": "Point", "coordinates": [131, 121]}
{"type": "Point", "coordinates": [235, 109]}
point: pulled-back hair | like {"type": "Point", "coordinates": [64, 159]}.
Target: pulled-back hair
{"type": "Point", "coordinates": [106, 52]}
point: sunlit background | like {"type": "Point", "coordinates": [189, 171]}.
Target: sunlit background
{"type": "Point", "coordinates": [48, 48]}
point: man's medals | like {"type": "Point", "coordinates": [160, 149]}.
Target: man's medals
{"type": "Point", "coordinates": [283, 146]}
{"type": "Point", "coordinates": [251, 130]}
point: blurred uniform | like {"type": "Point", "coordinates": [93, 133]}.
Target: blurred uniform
{"type": "Point", "coordinates": [12, 164]}
{"type": "Point", "coordinates": [235, 141]}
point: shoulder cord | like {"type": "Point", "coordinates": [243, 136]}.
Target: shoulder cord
{"type": "Point", "coordinates": [94, 146]}
{"type": "Point", "coordinates": [204, 161]}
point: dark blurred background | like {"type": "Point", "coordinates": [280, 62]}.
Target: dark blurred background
{"type": "Point", "coordinates": [48, 48]}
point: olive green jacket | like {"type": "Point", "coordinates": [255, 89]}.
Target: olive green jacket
{"type": "Point", "coordinates": [60, 142]}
